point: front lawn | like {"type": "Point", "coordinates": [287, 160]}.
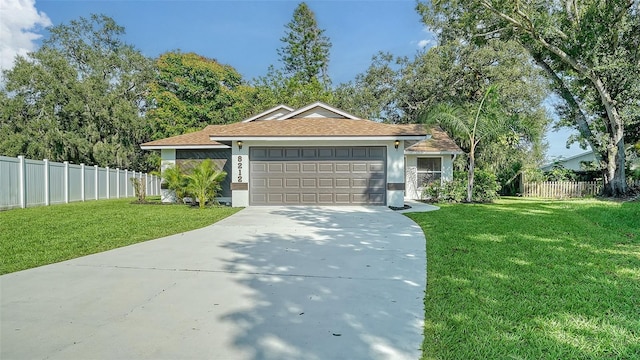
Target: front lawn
{"type": "Point", "coordinates": [43, 235]}
{"type": "Point", "coordinates": [533, 279]}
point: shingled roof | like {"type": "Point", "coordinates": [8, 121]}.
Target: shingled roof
{"type": "Point", "coordinates": [294, 128]}
{"type": "Point", "coordinates": [438, 142]}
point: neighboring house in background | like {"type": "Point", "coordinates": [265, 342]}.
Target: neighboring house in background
{"type": "Point", "coordinates": [316, 155]}
{"type": "Point", "coordinates": [572, 162]}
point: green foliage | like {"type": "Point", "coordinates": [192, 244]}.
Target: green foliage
{"type": "Point", "coordinates": [560, 173]}
{"type": "Point", "coordinates": [201, 181]}
{"type": "Point", "coordinates": [139, 188]}
{"type": "Point", "coordinates": [173, 178]}
{"type": "Point", "coordinates": [447, 191]}
{"type": "Point", "coordinates": [471, 127]}
{"type": "Point", "coordinates": [275, 88]}
{"type": "Point", "coordinates": [190, 92]}
{"type": "Point", "coordinates": [80, 95]}
{"type": "Point", "coordinates": [529, 279]}
{"type": "Point", "coordinates": [589, 51]}
{"type": "Point", "coordinates": [485, 186]}
{"type": "Point", "coordinates": [305, 53]}
{"type": "Point", "coordinates": [48, 234]}
{"type": "Point", "coordinates": [204, 182]}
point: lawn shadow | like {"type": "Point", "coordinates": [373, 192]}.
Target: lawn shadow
{"type": "Point", "coordinates": [331, 283]}
{"type": "Point", "coordinates": [533, 279]}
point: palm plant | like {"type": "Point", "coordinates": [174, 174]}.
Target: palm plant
{"type": "Point", "coordinates": [469, 127]}
{"type": "Point", "coordinates": [204, 181]}
{"type": "Point", "coordinates": [174, 179]}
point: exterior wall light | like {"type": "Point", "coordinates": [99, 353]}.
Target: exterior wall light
{"type": "Point", "coordinates": [396, 144]}
{"type": "Point", "coordinates": [240, 144]}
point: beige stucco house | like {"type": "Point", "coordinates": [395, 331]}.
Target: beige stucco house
{"type": "Point", "coordinates": [316, 155]}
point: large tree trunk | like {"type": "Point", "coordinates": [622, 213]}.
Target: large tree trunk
{"type": "Point", "coordinates": [615, 181]}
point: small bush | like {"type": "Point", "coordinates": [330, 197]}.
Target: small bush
{"type": "Point", "coordinates": [485, 186]}
{"type": "Point", "coordinates": [449, 191]}
{"type": "Point", "coordinates": [139, 188]}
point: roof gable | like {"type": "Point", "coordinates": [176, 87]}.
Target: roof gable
{"type": "Point", "coordinates": [273, 113]}
{"type": "Point", "coordinates": [318, 110]}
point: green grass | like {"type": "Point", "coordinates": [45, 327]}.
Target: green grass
{"type": "Point", "coordinates": [533, 279]}
{"type": "Point", "coordinates": [43, 235]}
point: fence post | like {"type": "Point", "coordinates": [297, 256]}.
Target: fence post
{"type": "Point", "coordinates": [46, 182]}
{"type": "Point", "coordinates": [66, 182]}
{"type": "Point", "coordinates": [23, 180]}
{"type": "Point", "coordinates": [117, 183]}
{"type": "Point", "coordinates": [108, 181]}
{"type": "Point", "coordinates": [146, 184]}
{"type": "Point", "coordinates": [82, 180]}
{"type": "Point", "coordinates": [126, 183]}
{"type": "Point", "coordinates": [97, 173]}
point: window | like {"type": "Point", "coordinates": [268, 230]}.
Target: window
{"type": "Point", "coordinates": [429, 170]}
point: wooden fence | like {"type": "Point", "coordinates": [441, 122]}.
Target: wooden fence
{"type": "Point", "coordinates": [564, 189]}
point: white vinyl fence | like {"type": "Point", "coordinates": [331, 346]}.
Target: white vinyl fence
{"type": "Point", "coordinates": [25, 183]}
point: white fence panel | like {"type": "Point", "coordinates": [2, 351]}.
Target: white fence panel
{"type": "Point", "coordinates": [75, 182]}
{"type": "Point", "coordinates": [57, 183]}
{"type": "Point", "coordinates": [89, 183]}
{"type": "Point", "coordinates": [9, 182]}
{"type": "Point", "coordinates": [25, 182]}
{"type": "Point", "coordinates": [35, 182]}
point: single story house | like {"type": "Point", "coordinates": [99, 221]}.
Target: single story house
{"type": "Point", "coordinates": [316, 155]}
{"type": "Point", "coordinates": [574, 163]}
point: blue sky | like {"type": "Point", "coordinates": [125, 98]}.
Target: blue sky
{"type": "Point", "coordinates": [243, 34]}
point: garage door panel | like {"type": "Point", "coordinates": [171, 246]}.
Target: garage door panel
{"type": "Point", "coordinates": [342, 183]}
{"type": "Point", "coordinates": [275, 183]}
{"type": "Point", "coordinates": [292, 167]}
{"type": "Point", "coordinates": [325, 183]}
{"type": "Point", "coordinates": [359, 167]}
{"type": "Point", "coordinates": [310, 198]}
{"type": "Point", "coordinates": [310, 183]}
{"type": "Point", "coordinates": [359, 183]}
{"type": "Point", "coordinates": [317, 175]}
{"type": "Point", "coordinates": [309, 168]}
{"type": "Point", "coordinates": [292, 183]}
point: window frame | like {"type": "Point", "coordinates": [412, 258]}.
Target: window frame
{"type": "Point", "coordinates": [421, 185]}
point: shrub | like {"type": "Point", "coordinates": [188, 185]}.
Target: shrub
{"type": "Point", "coordinates": [139, 188]}
{"type": "Point", "coordinates": [485, 186]}
{"type": "Point", "coordinates": [201, 181]}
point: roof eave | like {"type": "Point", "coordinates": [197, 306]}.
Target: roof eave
{"type": "Point", "coordinates": [183, 146]}
{"type": "Point", "coordinates": [292, 138]}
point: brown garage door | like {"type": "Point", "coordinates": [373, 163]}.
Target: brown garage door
{"type": "Point", "coordinates": [317, 175]}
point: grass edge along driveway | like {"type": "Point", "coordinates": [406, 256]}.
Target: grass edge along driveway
{"type": "Point", "coordinates": [532, 279]}
{"type": "Point", "coordinates": [48, 234]}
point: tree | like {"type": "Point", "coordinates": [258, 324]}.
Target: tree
{"type": "Point", "coordinates": [191, 91]}
{"type": "Point", "coordinates": [305, 53]}
{"type": "Point", "coordinates": [276, 88]}
{"type": "Point", "coordinates": [470, 127]}
{"type": "Point", "coordinates": [373, 94]}
{"type": "Point", "coordinates": [590, 51]}
{"type": "Point", "coordinates": [78, 98]}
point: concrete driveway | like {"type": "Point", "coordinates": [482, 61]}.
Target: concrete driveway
{"type": "Point", "coordinates": [265, 283]}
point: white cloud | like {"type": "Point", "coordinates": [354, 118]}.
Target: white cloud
{"type": "Point", "coordinates": [19, 21]}
{"type": "Point", "coordinates": [423, 43]}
